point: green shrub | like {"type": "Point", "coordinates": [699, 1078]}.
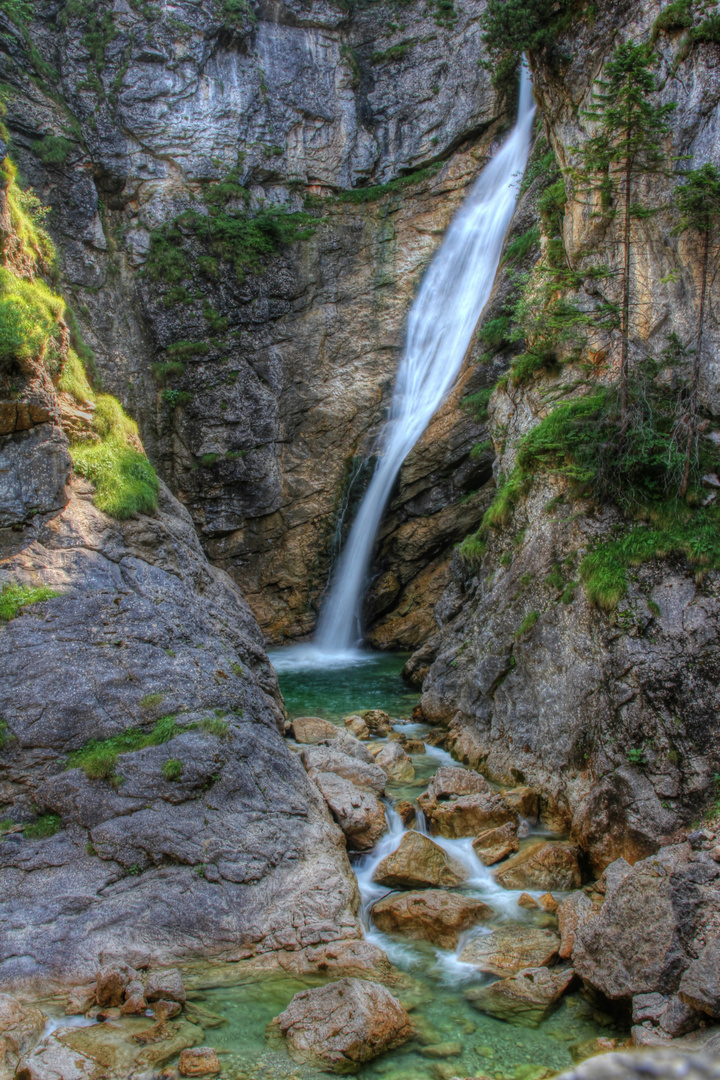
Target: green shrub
{"type": "Point", "coordinates": [477, 403]}
{"type": "Point", "coordinates": [472, 550]}
{"type": "Point", "coordinates": [506, 498]}
{"type": "Point", "coordinates": [379, 191]}
{"type": "Point", "coordinates": [5, 735]}
{"type": "Point", "coordinates": [172, 769]}
{"type": "Point", "coordinates": [29, 314]}
{"type": "Point", "coordinates": [676, 16]}
{"type": "Point", "coordinates": [14, 596]}
{"type": "Point", "coordinates": [494, 332]}
{"type": "Point", "coordinates": [513, 27]}
{"type": "Point", "coordinates": [177, 397]}
{"type": "Point", "coordinates": [73, 379]}
{"type": "Point", "coordinates": [395, 52]}
{"type": "Point", "coordinates": [555, 578]}
{"type": "Point", "coordinates": [636, 756]}
{"type": "Point", "coordinates": [235, 455]}
{"type": "Point", "coordinates": [569, 591]}
{"type": "Point", "coordinates": [170, 369]}
{"type": "Point", "coordinates": [188, 348]}
{"type": "Point", "coordinates": [98, 758]}
{"type": "Point", "coordinates": [27, 215]}
{"type": "Point", "coordinates": [53, 149]}
{"type": "Point", "coordinates": [125, 481]}
{"type": "Point", "coordinates": [527, 624]}
{"type": "Point", "coordinates": [208, 460]}
{"type": "Point", "coordinates": [479, 450]}
{"type": "Point", "coordinates": [46, 825]}
{"type": "Point", "coordinates": [518, 248]}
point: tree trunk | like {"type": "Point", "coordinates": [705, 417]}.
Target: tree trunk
{"type": "Point", "coordinates": [692, 434]}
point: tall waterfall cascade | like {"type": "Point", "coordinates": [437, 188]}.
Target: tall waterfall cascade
{"type": "Point", "coordinates": [453, 293]}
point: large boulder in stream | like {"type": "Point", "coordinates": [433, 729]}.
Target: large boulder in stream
{"type": "Point", "coordinates": [526, 998]}
{"type": "Point", "coordinates": [418, 863]}
{"type": "Point", "coordinates": [510, 949]}
{"type": "Point", "coordinates": [340, 1026]}
{"type": "Point", "coordinates": [20, 1028]}
{"type": "Point", "coordinates": [329, 759]}
{"type": "Point", "coordinates": [395, 763]}
{"type": "Point", "coordinates": [360, 814]}
{"type": "Point", "coordinates": [546, 865]}
{"type": "Point", "coordinates": [494, 845]}
{"type": "Point", "coordinates": [460, 803]}
{"type": "Point", "coordinates": [312, 729]}
{"type": "Point", "coordinates": [431, 915]}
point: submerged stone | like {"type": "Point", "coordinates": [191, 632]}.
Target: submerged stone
{"type": "Point", "coordinates": [510, 949]}
{"type": "Point", "coordinates": [525, 998]}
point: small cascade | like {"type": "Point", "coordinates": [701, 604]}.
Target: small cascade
{"type": "Point", "coordinates": [441, 322]}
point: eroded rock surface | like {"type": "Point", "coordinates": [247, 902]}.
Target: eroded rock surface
{"type": "Point", "coordinates": [418, 863]}
{"type": "Point", "coordinates": [431, 915]}
{"type": "Point", "coordinates": [510, 949]}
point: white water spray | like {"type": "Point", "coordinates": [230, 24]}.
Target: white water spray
{"type": "Point", "coordinates": [442, 319]}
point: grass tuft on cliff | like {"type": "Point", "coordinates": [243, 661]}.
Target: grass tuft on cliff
{"type": "Point", "coordinates": [14, 597]}
{"type": "Point", "coordinates": [125, 481]}
{"type": "Point", "coordinates": [30, 313]}
{"type": "Point", "coordinates": [98, 758]}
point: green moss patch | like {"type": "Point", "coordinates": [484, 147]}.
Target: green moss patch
{"type": "Point", "coordinates": [14, 597]}
{"type": "Point", "coordinates": [98, 758]}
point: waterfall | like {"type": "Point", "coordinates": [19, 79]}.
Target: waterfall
{"type": "Point", "coordinates": [441, 322]}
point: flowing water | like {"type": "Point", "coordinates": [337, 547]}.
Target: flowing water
{"type": "Point", "coordinates": [458, 1040]}
{"type": "Point", "coordinates": [441, 322]}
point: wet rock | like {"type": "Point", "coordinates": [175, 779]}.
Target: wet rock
{"type": "Point", "coordinates": [346, 742]}
{"type": "Point", "coordinates": [650, 1065]}
{"type": "Point", "coordinates": [418, 862]}
{"type": "Point", "coordinates": [165, 985]}
{"type": "Point", "coordinates": [648, 1007]}
{"type": "Point", "coordinates": [122, 1049]}
{"type": "Point", "coordinates": [442, 1050]}
{"type": "Point", "coordinates": [135, 1005]}
{"type": "Point", "coordinates": [52, 1060]}
{"type": "Point", "coordinates": [412, 746]}
{"type": "Point", "coordinates": [546, 865]}
{"type": "Point", "coordinates": [359, 813]}
{"type": "Point", "coordinates": [20, 1028]}
{"type": "Point", "coordinates": [700, 984]}
{"type": "Point", "coordinates": [393, 760]}
{"type": "Point", "coordinates": [548, 903]}
{"type": "Point", "coordinates": [494, 845]}
{"type": "Point", "coordinates": [166, 1010]}
{"type": "Point", "coordinates": [431, 915]}
{"type": "Point", "coordinates": [326, 759]}
{"type": "Point", "coordinates": [526, 998]}
{"type": "Point", "coordinates": [111, 983]}
{"type": "Point", "coordinates": [526, 901]}
{"type": "Point", "coordinates": [450, 782]}
{"type": "Point", "coordinates": [469, 815]}
{"type": "Point", "coordinates": [340, 1026]}
{"type": "Point", "coordinates": [379, 723]}
{"type": "Point", "coordinates": [199, 1061]}
{"type": "Point", "coordinates": [406, 812]}
{"type": "Point", "coordinates": [643, 939]}
{"type": "Point", "coordinates": [312, 729]}
{"type": "Point", "coordinates": [510, 949]}
{"type": "Point", "coordinates": [524, 800]}
{"type": "Point", "coordinates": [574, 912]}
{"type": "Point", "coordinates": [357, 726]}
{"type": "Point", "coordinates": [354, 959]}
{"type": "Point", "coordinates": [80, 999]}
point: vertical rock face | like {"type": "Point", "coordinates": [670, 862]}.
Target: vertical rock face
{"type": "Point", "coordinates": [611, 714]}
{"type": "Point", "coordinates": [276, 410]}
{"type": "Point", "coordinates": [154, 810]}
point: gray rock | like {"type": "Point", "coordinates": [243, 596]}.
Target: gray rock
{"type": "Point", "coordinates": [35, 467]}
{"type": "Point", "coordinates": [367, 777]}
{"type": "Point", "coordinates": [165, 985]}
{"type": "Point", "coordinates": [649, 1065]}
{"type": "Point", "coordinates": [700, 984]}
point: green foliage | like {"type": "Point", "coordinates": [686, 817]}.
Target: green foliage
{"type": "Point", "coordinates": [479, 450]}
{"type": "Point", "coordinates": [30, 313]}
{"type": "Point", "coordinates": [676, 16]}
{"type": "Point", "coordinates": [53, 149]}
{"type": "Point", "coordinates": [214, 725]}
{"type": "Point", "coordinates": [188, 348]}
{"type": "Point", "coordinates": [527, 624]}
{"type": "Point", "coordinates": [27, 215]}
{"type": "Point", "coordinates": [379, 191]}
{"type": "Point", "coordinates": [521, 246]}
{"type": "Point", "coordinates": [45, 825]}
{"type": "Point", "coordinates": [494, 332]}
{"type": "Point", "coordinates": [73, 379]}
{"type": "Point", "coordinates": [235, 455]}
{"type": "Point", "coordinates": [697, 197]}
{"type": "Point", "coordinates": [162, 372]}
{"type": "Point", "coordinates": [472, 550]}
{"type": "Point", "coordinates": [395, 52]}
{"type": "Point", "coordinates": [125, 481]}
{"type": "Point", "coordinates": [513, 27]}
{"type": "Point", "coordinates": [477, 403]}
{"type": "Point", "coordinates": [500, 510]}
{"type": "Point", "coordinates": [208, 460]}
{"type": "Point", "coordinates": [98, 758]}
{"type": "Point", "coordinates": [569, 591]}
{"type": "Point", "coordinates": [177, 397]}
{"type": "Point", "coordinates": [636, 756]}
{"type": "Point", "coordinates": [555, 578]}
{"type": "Point", "coordinates": [14, 597]}
{"type": "Point", "coordinates": [172, 769]}
{"type": "Point", "coordinates": [543, 164]}
{"type": "Point", "coordinates": [4, 730]}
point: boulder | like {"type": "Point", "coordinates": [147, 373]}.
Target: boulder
{"type": "Point", "coordinates": [379, 723]}
{"type": "Point", "coordinates": [548, 903]}
{"type": "Point", "coordinates": [166, 985]}
{"type": "Point", "coordinates": [20, 1028]}
{"type": "Point", "coordinates": [574, 912]}
{"type": "Point", "coordinates": [546, 865]}
{"type": "Point", "coordinates": [346, 742]}
{"type": "Point", "coordinates": [526, 998]}
{"type": "Point", "coordinates": [643, 938]}
{"type": "Point", "coordinates": [451, 782]}
{"type": "Point", "coordinates": [417, 863]}
{"type": "Point", "coordinates": [395, 763]}
{"type": "Point", "coordinates": [166, 1010]}
{"type": "Point", "coordinates": [431, 915]}
{"type": "Point", "coordinates": [524, 800]}
{"type": "Point", "coordinates": [360, 814]}
{"type": "Point", "coordinates": [413, 746]}
{"type": "Point", "coordinates": [406, 812]}
{"type": "Point", "coordinates": [52, 1060]}
{"type": "Point", "coordinates": [510, 949]}
{"type": "Point", "coordinates": [199, 1061]}
{"type": "Point", "coordinates": [658, 1064]}
{"type": "Point", "coordinates": [621, 816]}
{"type": "Point", "coordinates": [493, 845]}
{"type": "Point", "coordinates": [135, 1005]}
{"type": "Point", "coordinates": [700, 984]}
{"type": "Point", "coordinates": [323, 759]}
{"type": "Point", "coordinates": [111, 982]}
{"type": "Point", "coordinates": [340, 1026]}
{"type": "Point", "coordinates": [526, 901]}
{"type": "Point", "coordinates": [358, 959]}
{"type": "Point", "coordinates": [470, 815]}
{"type": "Point", "coordinates": [80, 999]}
{"type": "Point", "coordinates": [357, 726]}
{"type": "Point", "coordinates": [312, 729]}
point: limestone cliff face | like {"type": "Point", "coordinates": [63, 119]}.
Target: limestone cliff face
{"type": "Point", "coordinates": [612, 716]}
{"type": "Point", "coordinates": [298, 99]}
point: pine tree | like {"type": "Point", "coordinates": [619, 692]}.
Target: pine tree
{"type": "Point", "coordinates": [698, 200]}
{"type": "Point", "coordinates": [627, 145]}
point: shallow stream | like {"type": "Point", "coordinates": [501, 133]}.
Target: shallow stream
{"type": "Point", "coordinates": [459, 1041]}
